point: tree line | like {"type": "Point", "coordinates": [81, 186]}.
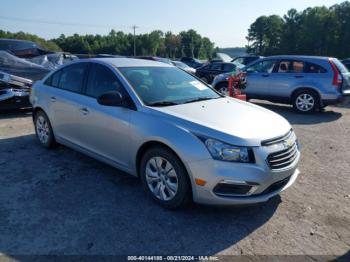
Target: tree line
{"type": "Point", "coordinates": [156, 43]}
{"type": "Point", "coordinates": [313, 31]}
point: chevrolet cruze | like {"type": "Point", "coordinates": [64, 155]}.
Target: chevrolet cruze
{"type": "Point", "coordinates": [183, 139]}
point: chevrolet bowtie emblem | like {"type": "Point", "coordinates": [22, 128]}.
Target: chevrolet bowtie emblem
{"type": "Point", "coordinates": [287, 143]}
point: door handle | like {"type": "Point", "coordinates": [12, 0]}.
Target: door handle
{"type": "Point", "coordinates": [53, 99]}
{"type": "Point", "coordinates": [265, 75]}
{"type": "Point", "coordinates": [84, 111]}
{"type": "Point", "coordinates": [299, 76]}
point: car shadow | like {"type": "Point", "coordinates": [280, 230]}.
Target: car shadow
{"type": "Point", "coordinates": [62, 202]}
{"type": "Point", "coordinates": [8, 114]}
{"type": "Point", "coordinates": [301, 119]}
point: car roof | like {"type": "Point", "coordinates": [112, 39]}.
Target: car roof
{"type": "Point", "coordinates": [16, 40]}
{"type": "Point", "coordinates": [129, 62]}
{"type": "Point", "coordinates": [296, 57]}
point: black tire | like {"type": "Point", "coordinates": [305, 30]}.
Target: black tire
{"type": "Point", "coordinates": [221, 86]}
{"type": "Point", "coordinates": [50, 142]}
{"type": "Point", "coordinates": [307, 94]}
{"type": "Point", "coordinates": [183, 195]}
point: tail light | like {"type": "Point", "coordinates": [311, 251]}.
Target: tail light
{"type": "Point", "coordinates": [337, 78]}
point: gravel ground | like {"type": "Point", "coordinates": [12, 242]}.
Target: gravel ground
{"type": "Point", "coordinates": [62, 202]}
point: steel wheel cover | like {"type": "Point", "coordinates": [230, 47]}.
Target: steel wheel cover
{"type": "Point", "coordinates": [161, 178]}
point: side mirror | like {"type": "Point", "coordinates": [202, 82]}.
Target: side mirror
{"type": "Point", "coordinates": [113, 98]}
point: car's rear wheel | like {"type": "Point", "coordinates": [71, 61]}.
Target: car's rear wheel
{"type": "Point", "coordinates": [165, 178]}
{"type": "Point", "coordinates": [43, 130]}
{"type": "Point", "coordinates": [306, 101]}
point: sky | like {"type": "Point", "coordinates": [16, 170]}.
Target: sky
{"type": "Point", "coordinates": [225, 22]}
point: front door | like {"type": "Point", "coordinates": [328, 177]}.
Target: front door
{"type": "Point", "coordinates": [259, 77]}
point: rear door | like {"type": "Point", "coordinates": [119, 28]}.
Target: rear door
{"type": "Point", "coordinates": [259, 77]}
{"type": "Point", "coordinates": [104, 130]}
{"type": "Point", "coordinates": [63, 95]}
{"type": "Point", "coordinates": [287, 75]}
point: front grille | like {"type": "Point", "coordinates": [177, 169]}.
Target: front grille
{"type": "Point", "coordinates": [283, 158]}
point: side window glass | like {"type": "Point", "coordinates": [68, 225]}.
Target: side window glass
{"type": "Point", "coordinates": [56, 78]}
{"type": "Point", "coordinates": [101, 80]}
{"type": "Point", "coordinates": [72, 77]}
{"type": "Point", "coordinates": [266, 66]}
{"type": "Point", "coordinates": [290, 67]}
{"type": "Point", "coordinates": [313, 68]}
{"type": "Point", "coordinates": [284, 67]}
{"type": "Point", "coordinates": [297, 67]}
{"type": "Point", "coordinates": [53, 79]}
{"type": "Point", "coordinates": [48, 81]}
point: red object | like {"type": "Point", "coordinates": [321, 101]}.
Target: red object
{"type": "Point", "coordinates": [337, 79]}
{"type": "Point", "coordinates": [234, 88]}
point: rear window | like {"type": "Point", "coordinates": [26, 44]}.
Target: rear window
{"type": "Point", "coordinates": [340, 66]}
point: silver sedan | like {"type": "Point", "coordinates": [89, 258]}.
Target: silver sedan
{"type": "Point", "coordinates": [155, 121]}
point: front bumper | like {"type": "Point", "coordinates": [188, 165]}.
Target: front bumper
{"type": "Point", "coordinates": [266, 182]}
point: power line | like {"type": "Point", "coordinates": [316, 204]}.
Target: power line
{"type": "Point", "coordinates": [58, 22]}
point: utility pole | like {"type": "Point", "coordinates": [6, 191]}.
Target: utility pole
{"type": "Point", "coordinates": [134, 27]}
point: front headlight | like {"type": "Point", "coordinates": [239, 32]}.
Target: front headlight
{"type": "Point", "coordinates": [226, 152]}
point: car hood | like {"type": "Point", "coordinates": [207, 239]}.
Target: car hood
{"type": "Point", "coordinates": [228, 119]}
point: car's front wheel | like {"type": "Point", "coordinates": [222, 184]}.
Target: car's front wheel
{"type": "Point", "coordinates": [165, 178]}
{"type": "Point", "coordinates": [43, 130]}
{"type": "Point", "coordinates": [306, 101]}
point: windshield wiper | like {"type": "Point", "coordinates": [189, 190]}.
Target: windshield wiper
{"type": "Point", "coordinates": [200, 99]}
{"type": "Point", "coordinates": [163, 103]}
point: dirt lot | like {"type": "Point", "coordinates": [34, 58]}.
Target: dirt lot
{"type": "Point", "coordinates": [62, 202]}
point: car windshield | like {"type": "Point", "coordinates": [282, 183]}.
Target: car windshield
{"type": "Point", "coordinates": [165, 86]}
{"type": "Point", "coordinates": [239, 65]}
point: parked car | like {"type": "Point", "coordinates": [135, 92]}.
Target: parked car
{"type": "Point", "coordinates": [308, 83]}
{"type": "Point", "coordinates": [346, 62]}
{"type": "Point", "coordinates": [208, 72]}
{"type": "Point", "coordinates": [161, 124]}
{"type": "Point", "coordinates": [191, 62]}
{"type": "Point", "coordinates": [21, 63]}
{"type": "Point", "coordinates": [22, 48]}
{"type": "Point", "coordinates": [185, 67]}
{"type": "Point", "coordinates": [156, 58]}
{"type": "Point", "coordinates": [245, 60]}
